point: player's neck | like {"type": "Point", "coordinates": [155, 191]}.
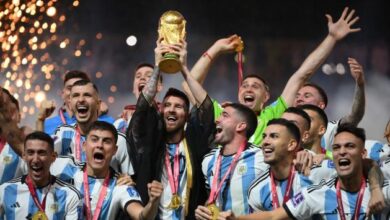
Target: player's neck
{"type": "Point", "coordinates": [351, 183]}
{"type": "Point", "coordinates": [83, 127]}
{"type": "Point", "coordinates": [233, 146]}
{"type": "Point", "coordinates": [281, 170]}
{"type": "Point", "coordinates": [316, 146]}
{"type": "Point", "coordinates": [175, 137]}
{"type": "Point", "coordinates": [68, 110]}
{"type": "Point", "coordinates": [98, 173]}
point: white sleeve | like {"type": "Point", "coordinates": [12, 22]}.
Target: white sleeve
{"type": "Point", "coordinates": [122, 156]}
{"type": "Point", "coordinates": [57, 137]}
{"type": "Point", "coordinates": [325, 171]}
{"type": "Point", "coordinates": [304, 204]}
{"type": "Point", "coordinates": [385, 167]}
{"type": "Point", "coordinates": [327, 139]}
{"type": "Point", "coordinates": [126, 195]}
{"type": "Point", "coordinates": [1, 202]}
{"type": "Point", "coordinates": [74, 208]}
{"type": "Point", "coordinates": [253, 197]}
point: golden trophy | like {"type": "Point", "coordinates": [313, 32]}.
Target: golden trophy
{"type": "Point", "coordinates": [172, 27]}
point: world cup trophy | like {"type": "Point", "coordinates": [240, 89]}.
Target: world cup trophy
{"type": "Point", "coordinates": [172, 28]}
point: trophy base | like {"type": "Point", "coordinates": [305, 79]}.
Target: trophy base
{"type": "Point", "coordinates": [170, 64]}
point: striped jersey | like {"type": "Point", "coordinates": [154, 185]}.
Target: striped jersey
{"type": "Point", "coordinates": [234, 191]}
{"type": "Point", "coordinates": [320, 202]}
{"type": "Point", "coordinates": [117, 197]}
{"type": "Point", "coordinates": [260, 192]}
{"type": "Point", "coordinates": [327, 139]}
{"type": "Point", "coordinates": [63, 201]}
{"type": "Point", "coordinates": [377, 150]}
{"type": "Point", "coordinates": [65, 142]}
{"type": "Point", "coordinates": [385, 167]}
{"type": "Point", "coordinates": [164, 211]}
{"type": "Point", "coordinates": [10, 164]}
{"type": "Point", "coordinates": [323, 171]}
{"type": "Point", "coordinates": [121, 124]}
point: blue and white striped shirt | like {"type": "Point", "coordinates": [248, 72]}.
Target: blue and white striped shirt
{"type": "Point", "coordinates": [63, 201]}
{"type": "Point", "coordinates": [233, 194]}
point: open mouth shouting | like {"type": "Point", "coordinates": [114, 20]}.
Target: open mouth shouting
{"type": "Point", "coordinates": [344, 163]}
{"type": "Point", "coordinates": [82, 110]}
{"type": "Point", "coordinates": [141, 86]}
{"type": "Point", "coordinates": [98, 157]}
{"type": "Point", "coordinates": [37, 170]}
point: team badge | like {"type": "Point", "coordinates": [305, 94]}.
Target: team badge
{"type": "Point", "coordinates": [242, 169]}
{"type": "Point", "coordinates": [7, 159]}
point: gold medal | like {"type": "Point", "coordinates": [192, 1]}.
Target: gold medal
{"type": "Point", "coordinates": [214, 211]}
{"type": "Point", "coordinates": [39, 216]}
{"type": "Point", "coordinates": [175, 202]}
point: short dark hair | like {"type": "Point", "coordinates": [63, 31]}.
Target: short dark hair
{"type": "Point", "coordinates": [39, 135]}
{"type": "Point", "coordinates": [318, 110]}
{"type": "Point", "coordinates": [291, 127]}
{"type": "Point", "coordinates": [248, 115]}
{"type": "Point", "coordinates": [350, 128]}
{"type": "Point", "coordinates": [11, 97]}
{"type": "Point", "coordinates": [75, 74]}
{"type": "Point", "coordinates": [177, 93]}
{"type": "Point", "coordinates": [148, 65]}
{"type": "Point", "coordinates": [320, 91]}
{"type": "Point", "coordinates": [259, 78]}
{"type": "Point", "coordinates": [301, 113]}
{"type": "Point", "coordinates": [103, 126]}
{"type": "Point", "coordinates": [84, 82]}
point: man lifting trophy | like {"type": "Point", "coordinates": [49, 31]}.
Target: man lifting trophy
{"type": "Point", "coordinates": [172, 29]}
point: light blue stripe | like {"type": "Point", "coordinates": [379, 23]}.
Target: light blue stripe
{"type": "Point", "coordinates": [67, 137]}
{"type": "Point", "coordinates": [10, 169]}
{"type": "Point", "coordinates": [248, 177]}
{"type": "Point", "coordinates": [12, 192]}
{"type": "Point", "coordinates": [60, 197]}
{"type": "Point", "coordinates": [375, 152]}
{"type": "Point", "coordinates": [330, 205]}
{"type": "Point", "coordinates": [265, 197]}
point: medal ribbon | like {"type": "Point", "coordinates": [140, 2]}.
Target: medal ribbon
{"type": "Point", "coordinates": [102, 194]}
{"type": "Point", "coordinates": [2, 144]}
{"type": "Point", "coordinates": [216, 187]}
{"type": "Point", "coordinates": [62, 116]}
{"type": "Point", "coordinates": [78, 144]}
{"type": "Point", "coordinates": [189, 173]}
{"type": "Point", "coordinates": [286, 197]}
{"type": "Point", "coordinates": [340, 206]}
{"type": "Point", "coordinates": [240, 71]}
{"type": "Point", "coordinates": [173, 177]}
{"type": "Point", "coordinates": [31, 188]}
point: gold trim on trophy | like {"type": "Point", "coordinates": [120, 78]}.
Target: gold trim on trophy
{"type": "Point", "coordinates": [172, 28]}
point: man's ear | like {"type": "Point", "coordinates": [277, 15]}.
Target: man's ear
{"type": "Point", "coordinates": [322, 130]}
{"type": "Point", "coordinates": [292, 145]}
{"type": "Point", "coordinates": [242, 126]}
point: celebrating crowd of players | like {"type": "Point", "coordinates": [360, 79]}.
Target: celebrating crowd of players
{"type": "Point", "coordinates": [165, 160]}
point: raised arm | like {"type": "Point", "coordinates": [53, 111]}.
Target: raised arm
{"type": "Point", "coordinates": [45, 110]}
{"type": "Point", "coordinates": [276, 214]}
{"type": "Point", "coordinates": [359, 99]}
{"type": "Point", "coordinates": [149, 212]}
{"type": "Point", "coordinates": [150, 89]}
{"type": "Point", "coordinates": [196, 89]}
{"type": "Point", "coordinates": [337, 31]}
{"type": "Point", "coordinates": [201, 68]}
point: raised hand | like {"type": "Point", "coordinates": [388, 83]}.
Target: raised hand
{"type": "Point", "coordinates": [342, 27]}
{"type": "Point", "coordinates": [356, 71]}
{"type": "Point", "coordinates": [155, 190]}
{"type": "Point", "coordinates": [160, 50]}
{"type": "Point", "coordinates": [228, 44]}
{"type": "Point", "coordinates": [46, 109]}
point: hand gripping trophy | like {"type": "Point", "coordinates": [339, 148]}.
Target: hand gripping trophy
{"type": "Point", "coordinates": [172, 28]}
